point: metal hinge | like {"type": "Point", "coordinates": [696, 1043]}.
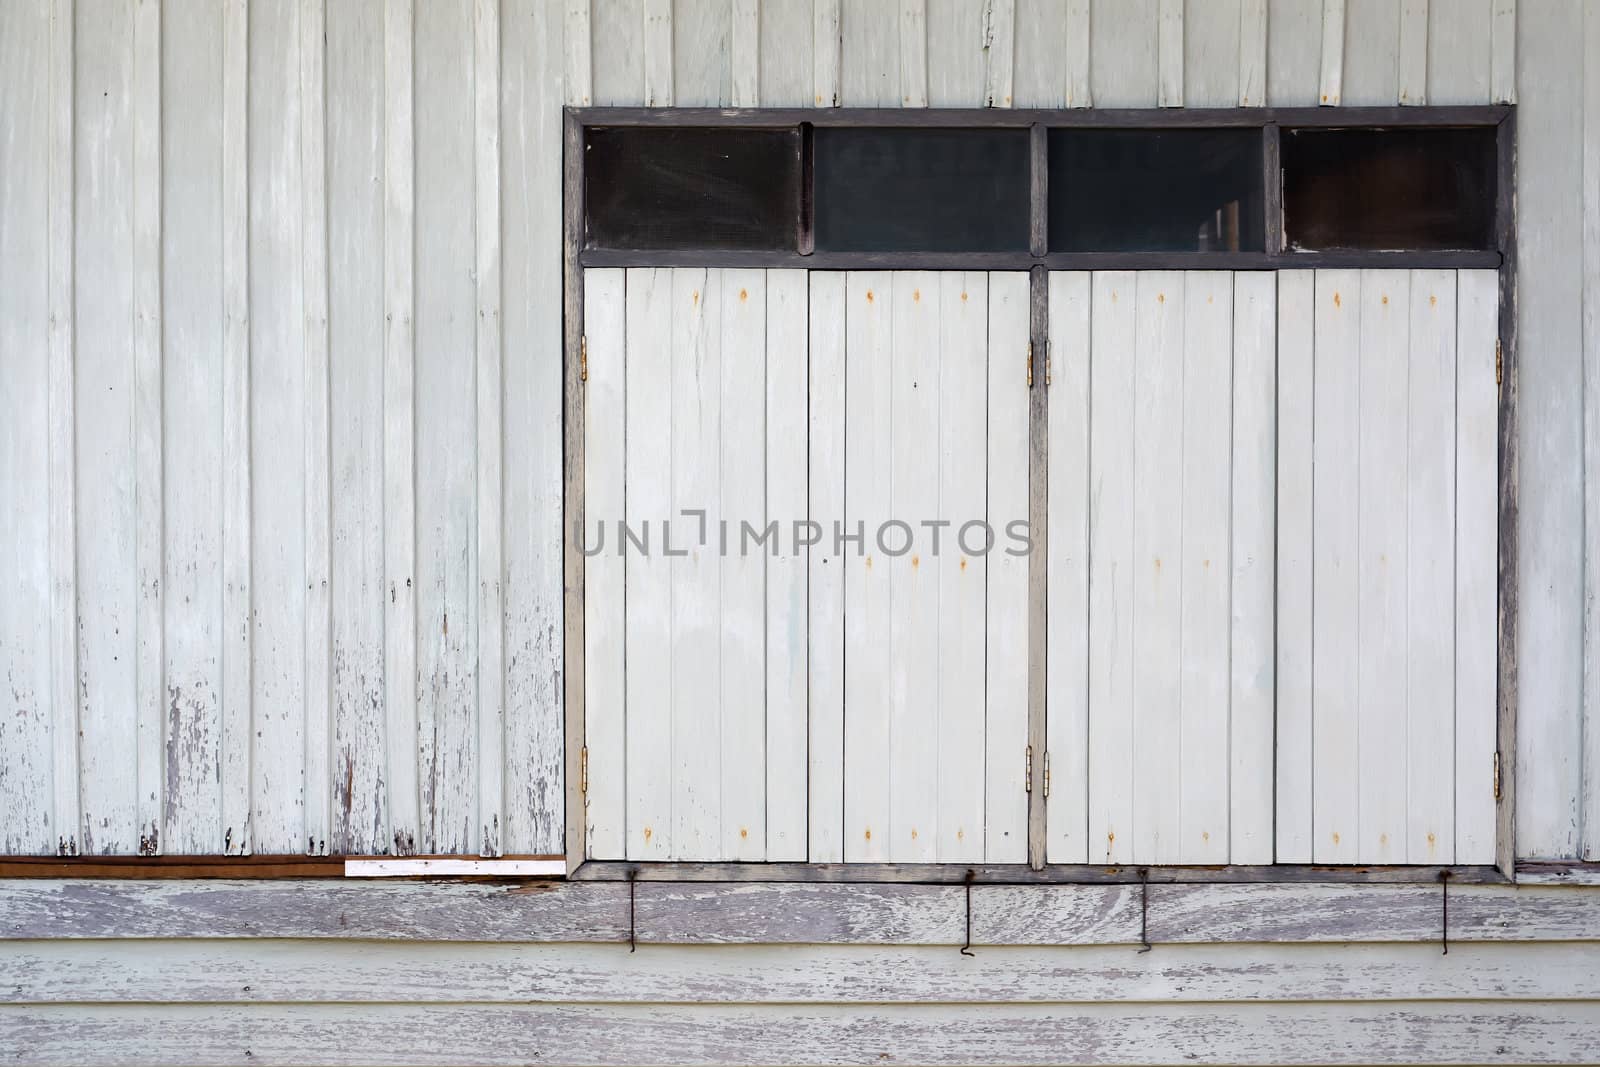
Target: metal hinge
{"type": "Point", "coordinates": [1497, 382]}
{"type": "Point", "coordinates": [1047, 385]}
{"type": "Point", "coordinates": [1047, 751]}
{"type": "Point", "coordinates": [1027, 777]}
{"type": "Point", "coordinates": [583, 358]}
{"type": "Point", "coordinates": [1030, 364]}
{"type": "Point", "coordinates": [583, 772]}
{"type": "Point", "coordinates": [1497, 775]}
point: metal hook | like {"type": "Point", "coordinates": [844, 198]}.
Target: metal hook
{"type": "Point", "coordinates": [1144, 910]}
{"type": "Point", "coordinates": [966, 949]}
{"type": "Point", "coordinates": [633, 888]}
{"type": "Point", "coordinates": [1444, 912]}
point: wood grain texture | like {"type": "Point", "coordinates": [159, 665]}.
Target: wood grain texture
{"type": "Point", "coordinates": [999, 52]}
{"type": "Point", "coordinates": [826, 43]}
{"type": "Point", "coordinates": [1170, 46]}
{"type": "Point", "coordinates": [1294, 52]}
{"type": "Point", "coordinates": [1458, 51]}
{"type": "Point", "coordinates": [1413, 52]}
{"type": "Point", "coordinates": [577, 53]}
{"type": "Point", "coordinates": [1503, 52]}
{"type": "Point", "coordinates": [786, 63]}
{"type": "Point", "coordinates": [914, 53]}
{"type": "Point", "coordinates": [1123, 50]}
{"type": "Point", "coordinates": [744, 54]}
{"type": "Point", "coordinates": [616, 34]}
{"type": "Point", "coordinates": [1372, 52]}
{"type": "Point", "coordinates": [1212, 43]}
{"type": "Point", "coordinates": [958, 57]}
{"type": "Point", "coordinates": [701, 53]}
{"type": "Point", "coordinates": [657, 42]}
{"type": "Point", "coordinates": [1331, 82]}
{"type": "Point", "coordinates": [827, 566]}
{"type": "Point", "coordinates": [1591, 430]}
{"type": "Point", "coordinates": [1253, 36]}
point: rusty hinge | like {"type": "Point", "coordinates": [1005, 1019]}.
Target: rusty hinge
{"type": "Point", "coordinates": [1047, 751]}
{"type": "Point", "coordinates": [1497, 382]}
{"type": "Point", "coordinates": [1047, 385]}
{"type": "Point", "coordinates": [1497, 775]}
{"type": "Point", "coordinates": [1027, 776]}
{"type": "Point", "coordinates": [1030, 364]}
{"type": "Point", "coordinates": [583, 358]}
{"type": "Point", "coordinates": [583, 772]}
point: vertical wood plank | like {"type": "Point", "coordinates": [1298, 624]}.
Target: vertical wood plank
{"type": "Point", "coordinates": [1476, 563]}
{"type": "Point", "coordinates": [914, 53]}
{"type": "Point", "coordinates": [1383, 567]}
{"type": "Point", "coordinates": [1293, 768]}
{"type": "Point", "coordinates": [1039, 528]}
{"type": "Point", "coordinates": [1113, 330]}
{"type": "Point", "coordinates": [1041, 52]}
{"type": "Point", "coordinates": [1372, 53]}
{"type": "Point", "coordinates": [1005, 669]}
{"type": "Point", "coordinates": [355, 146]}
{"type": "Point", "coordinates": [27, 281]}
{"type": "Point", "coordinates": [956, 43]}
{"type": "Point", "coordinates": [1205, 574]}
{"type": "Point", "coordinates": [916, 361]}
{"type": "Point", "coordinates": [605, 607]}
{"type": "Point", "coordinates": [1335, 658]}
{"type": "Point", "coordinates": [149, 683]}
{"type": "Point", "coordinates": [964, 465]}
{"type": "Point", "coordinates": [648, 457]}
{"type": "Point", "coordinates": [1294, 52]}
{"type": "Point", "coordinates": [868, 596]}
{"type": "Point", "coordinates": [399, 431]}
{"type": "Point", "coordinates": [317, 445]}
{"type": "Point", "coordinates": [1253, 623]}
{"type": "Point", "coordinates": [827, 566]}
{"type": "Point", "coordinates": [1123, 50]}
{"type": "Point", "coordinates": [788, 411]}
{"type": "Point", "coordinates": [657, 47]}
{"type": "Point", "coordinates": [1213, 52]}
{"type": "Point", "coordinates": [237, 747]}
{"type": "Point", "coordinates": [489, 509]}
{"type": "Point", "coordinates": [785, 65]}
{"type": "Point", "coordinates": [1000, 42]}
{"type": "Point", "coordinates": [1169, 53]}
{"type": "Point", "coordinates": [825, 52]}
{"type": "Point", "coordinates": [744, 54]}
{"type": "Point", "coordinates": [577, 53]}
{"type": "Point", "coordinates": [1431, 568]}
{"type": "Point", "coordinates": [701, 53]}
{"type": "Point", "coordinates": [1413, 56]}
{"type": "Point", "coordinates": [1591, 433]}
{"type": "Point", "coordinates": [1503, 52]}
{"type": "Point", "coordinates": [1067, 495]}
{"type": "Point", "coordinates": [1331, 83]}
{"type": "Point", "coordinates": [1458, 51]}
{"type": "Point", "coordinates": [616, 35]}
{"type": "Point", "coordinates": [104, 425]}
{"type": "Point", "coordinates": [869, 53]}
{"type": "Point", "coordinates": [1252, 53]}
{"type": "Point", "coordinates": [740, 571]}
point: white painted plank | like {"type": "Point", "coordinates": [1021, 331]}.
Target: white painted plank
{"type": "Point", "coordinates": [1067, 612]}
{"type": "Point", "coordinates": [355, 365]}
{"type": "Point", "coordinates": [455, 868]}
{"type": "Point", "coordinates": [1075, 54]}
{"type": "Point", "coordinates": [1111, 561]}
{"type": "Point", "coordinates": [786, 567]}
{"type": "Point", "coordinates": [1331, 83]}
{"type": "Point", "coordinates": [1591, 434]}
{"type": "Point", "coordinates": [868, 597]}
{"type": "Point", "coordinates": [786, 65]}
{"type": "Point", "coordinates": [957, 53]}
{"type": "Point", "coordinates": [1458, 58]}
{"type": "Point", "coordinates": [277, 434]}
{"type": "Point", "coordinates": [1156, 577]}
{"type": "Point", "coordinates": [657, 43]}
{"type": "Point", "coordinates": [696, 610]}
{"type": "Point", "coordinates": [1169, 53]}
{"type": "Point", "coordinates": [1477, 563]}
{"type": "Point", "coordinates": [1252, 53]}
{"type": "Point", "coordinates": [1335, 654]}
{"type": "Point", "coordinates": [1212, 47]}
{"type": "Point", "coordinates": [1296, 530]}
{"type": "Point", "coordinates": [26, 282]}
{"type": "Point", "coordinates": [650, 665]}
{"type": "Point", "coordinates": [1123, 50]}
{"type": "Point", "coordinates": [1254, 577]}
{"type": "Point", "coordinates": [1041, 53]}
{"type": "Point", "coordinates": [1503, 52]}
{"type": "Point", "coordinates": [533, 368]}
{"type": "Point", "coordinates": [103, 420]}
{"type": "Point", "coordinates": [1372, 52]}
{"type": "Point", "coordinates": [318, 623]}
{"type": "Point", "coordinates": [1006, 688]}
{"type": "Point", "coordinates": [1000, 44]}
{"type": "Point", "coordinates": [578, 55]}
{"type": "Point", "coordinates": [399, 431]}
{"type": "Point", "coordinates": [741, 574]}
{"type": "Point", "coordinates": [1413, 52]}
{"type": "Point", "coordinates": [1431, 567]}
{"type": "Point", "coordinates": [1383, 567]}
{"type": "Point", "coordinates": [914, 53]}
{"type": "Point", "coordinates": [825, 49]}
{"type": "Point", "coordinates": [914, 652]}
{"type": "Point", "coordinates": [1294, 51]}
{"type": "Point", "coordinates": [489, 508]}
{"type": "Point", "coordinates": [701, 56]}
{"type": "Point", "coordinates": [605, 608]}
{"type": "Point", "coordinates": [968, 479]}
{"type": "Point", "coordinates": [827, 566]}
{"type": "Point", "coordinates": [617, 36]}
{"type": "Point", "coordinates": [237, 595]}
{"type": "Point", "coordinates": [744, 54]}
{"type": "Point", "coordinates": [869, 53]}
{"type": "Point", "coordinates": [1205, 575]}
{"type": "Point", "coordinates": [149, 676]}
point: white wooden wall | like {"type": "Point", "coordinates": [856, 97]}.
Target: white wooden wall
{"type": "Point", "coordinates": [187, 188]}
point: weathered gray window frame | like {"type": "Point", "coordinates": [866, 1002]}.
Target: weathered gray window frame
{"type": "Point", "coordinates": [1038, 261]}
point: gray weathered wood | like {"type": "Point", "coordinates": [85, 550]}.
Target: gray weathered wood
{"type": "Point", "coordinates": [1591, 429]}
{"type": "Point", "coordinates": [825, 46]}
{"type": "Point", "coordinates": [1331, 84]}
{"type": "Point", "coordinates": [578, 74]}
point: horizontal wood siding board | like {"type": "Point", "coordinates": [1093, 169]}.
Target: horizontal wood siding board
{"type": "Point", "coordinates": [909, 1034]}
{"type": "Point", "coordinates": [796, 913]}
{"type": "Point", "coordinates": [605, 257]}
{"type": "Point", "coordinates": [769, 118]}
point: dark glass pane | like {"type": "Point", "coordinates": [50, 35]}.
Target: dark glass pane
{"type": "Point", "coordinates": [1389, 189]}
{"type": "Point", "coordinates": [661, 189]}
{"type": "Point", "coordinates": [1156, 191]}
{"type": "Point", "coordinates": [912, 190]}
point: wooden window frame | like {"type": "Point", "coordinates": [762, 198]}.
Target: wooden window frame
{"type": "Point", "coordinates": [1038, 261]}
